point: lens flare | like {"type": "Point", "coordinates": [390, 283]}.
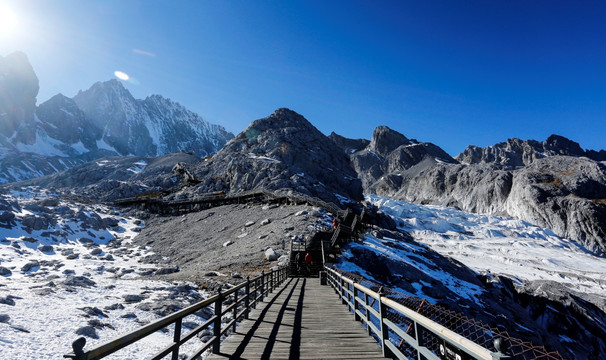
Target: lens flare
{"type": "Point", "coordinates": [8, 20]}
{"type": "Point", "coordinates": [121, 75]}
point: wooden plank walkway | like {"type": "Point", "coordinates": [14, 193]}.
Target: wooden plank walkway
{"type": "Point", "coordinates": [300, 320]}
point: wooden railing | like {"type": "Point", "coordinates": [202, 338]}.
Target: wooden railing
{"type": "Point", "coordinates": [237, 300]}
{"type": "Point", "coordinates": [372, 309]}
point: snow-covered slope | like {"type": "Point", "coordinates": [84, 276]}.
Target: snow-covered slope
{"type": "Point", "coordinates": [505, 272]}
{"type": "Point", "coordinates": [494, 245]}
{"type": "Point", "coordinates": [67, 268]}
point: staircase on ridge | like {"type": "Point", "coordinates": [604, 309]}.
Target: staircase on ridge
{"type": "Point", "coordinates": [323, 246]}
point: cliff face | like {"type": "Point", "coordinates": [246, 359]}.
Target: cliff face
{"type": "Point", "coordinates": [18, 90]}
{"type": "Point", "coordinates": [281, 152]}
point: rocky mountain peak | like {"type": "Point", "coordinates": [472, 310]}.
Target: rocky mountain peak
{"type": "Point", "coordinates": [112, 87]}
{"type": "Point", "coordinates": [62, 120]}
{"type": "Point", "coordinates": [283, 119]}
{"type": "Point", "coordinates": [385, 140]}
{"type": "Point", "coordinates": [103, 120]}
{"type": "Point", "coordinates": [515, 152]}
{"type": "Point", "coordinates": [18, 90]}
{"type": "Point", "coordinates": [562, 146]}
{"type": "Point", "coordinates": [282, 151]}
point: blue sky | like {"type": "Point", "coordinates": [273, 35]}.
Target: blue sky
{"type": "Point", "coordinates": [450, 72]}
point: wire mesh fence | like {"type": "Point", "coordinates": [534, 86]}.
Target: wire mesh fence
{"type": "Point", "coordinates": [473, 330]}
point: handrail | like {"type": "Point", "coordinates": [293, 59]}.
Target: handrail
{"type": "Point", "coordinates": [357, 298]}
{"type": "Point", "coordinates": [262, 285]}
{"type": "Point", "coordinates": [213, 197]}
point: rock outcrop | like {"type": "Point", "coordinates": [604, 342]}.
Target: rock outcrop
{"type": "Point", "coordinates": [388, 152]}
{"type": "Point", "coordinates": [281, 152]}
{"type": "Point", "coordinates": [515, 152]}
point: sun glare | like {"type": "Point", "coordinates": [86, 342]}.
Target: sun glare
{"type": "Point", "coordinates": [8, 20]}
{"type": "Point", "coordinates": [121, 75]}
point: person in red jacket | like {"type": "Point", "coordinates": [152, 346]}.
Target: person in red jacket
{"type": "Point", "coordinates": [335, 223]}
{"type": "Point", "coordinates": [309, 261]}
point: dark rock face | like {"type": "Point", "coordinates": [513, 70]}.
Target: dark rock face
{"type": "Point", "coordinates": [385, 140]}
{"type": "Point", "coordinates": [62, 119]}
{"type": "Point", "coordinates": [116, 177]}
{"type": "Point", "coordinates": [391, 152]}
{"type": "Point", "coordinates": [349, 146]}
{"type": "Point", "coordinates": [281, 152]}
{"type": "Point", "coordinates": [18, 90]}
{"type": "Point", "coordinates": [515, 152]}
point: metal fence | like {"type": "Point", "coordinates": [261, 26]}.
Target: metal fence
{"type": "Point", "coordinates": [411, 328]}
{"type": "Point", "coordinates": [238, 301]}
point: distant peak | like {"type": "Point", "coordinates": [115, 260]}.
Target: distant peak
{"type": "Point", "coordinates": [285, 112]}
{"type": "Point", "coordinates": [385, 140]}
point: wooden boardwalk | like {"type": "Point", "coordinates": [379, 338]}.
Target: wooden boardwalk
{"type": "Point", "coordinates": [300, 320]}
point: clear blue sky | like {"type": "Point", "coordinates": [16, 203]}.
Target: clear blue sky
{"type": "Point", "coordinates": [450, 72]}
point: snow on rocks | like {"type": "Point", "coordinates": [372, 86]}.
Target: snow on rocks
{"type": "Point", "coordinates": [80, 257]}
{"type": "Point", "coordinates": [500, 245]}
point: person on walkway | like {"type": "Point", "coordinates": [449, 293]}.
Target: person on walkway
{"type": "Point", "coordinates": [309, 261]}
{"type": "Point", "coordinates": [298, 262]}
{"type": "Point", "coordinates": [335, 223]}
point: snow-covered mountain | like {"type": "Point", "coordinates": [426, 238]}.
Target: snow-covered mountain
{"type": "Point", "coordinates": [101, 121]}
{"type": "Point", "coordinates": [150, 127]}
{"type": "Point", "coordinates": [553, 184]}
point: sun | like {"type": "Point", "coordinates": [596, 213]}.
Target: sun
{"type": "Point", "coordinates": [8, 20]}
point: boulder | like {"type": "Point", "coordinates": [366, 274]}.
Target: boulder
{"type": "Point", "coordinates": [88, 331]}
{"type": "Point", "coordinates": [5, 271]}
{"type": "Point", "coordinates": [47, 249]}
{"type": "Point", "coordinates": [30, 266]}
{"type": "Point", "coordinates": [79, 281]}
{"type": "Point", "coordinates": [167, 270]}
{"type": "Point", "coordinates": [271, 255]}
{"type": "Point", "coordinates": [129, 299]}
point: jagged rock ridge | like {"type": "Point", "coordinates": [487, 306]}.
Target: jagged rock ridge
{"type": "Point", "coordinates": [388, 152]}
{"type": "Point", "coordinates": [515, 152]}
{"type": "Point", "coordinates": [553, 184]}
{"type": "Point", "coordinates": [102, 121]}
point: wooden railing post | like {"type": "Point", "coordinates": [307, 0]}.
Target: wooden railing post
{"type": "Point", "coordinates": [342, 290]}
{"type": "Point", "coordinates": [355, 303]}
{"type": "Point", "coordinates": [384, 328]}
{"type": "Point", "coordinates": [217, 323]}
{"type": "Point", "coordinates": [235, 310]}
{"type": "Point", "coordinates": [177, 338]}
{"type": "Point", "coordinates": [271, 282]}
{"type": "Point", "coordinates": [247, 298]}
{"type": "Point", "coordinates": [367, 314]}
{"type": "Point", "coordinates": [262, 285]}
